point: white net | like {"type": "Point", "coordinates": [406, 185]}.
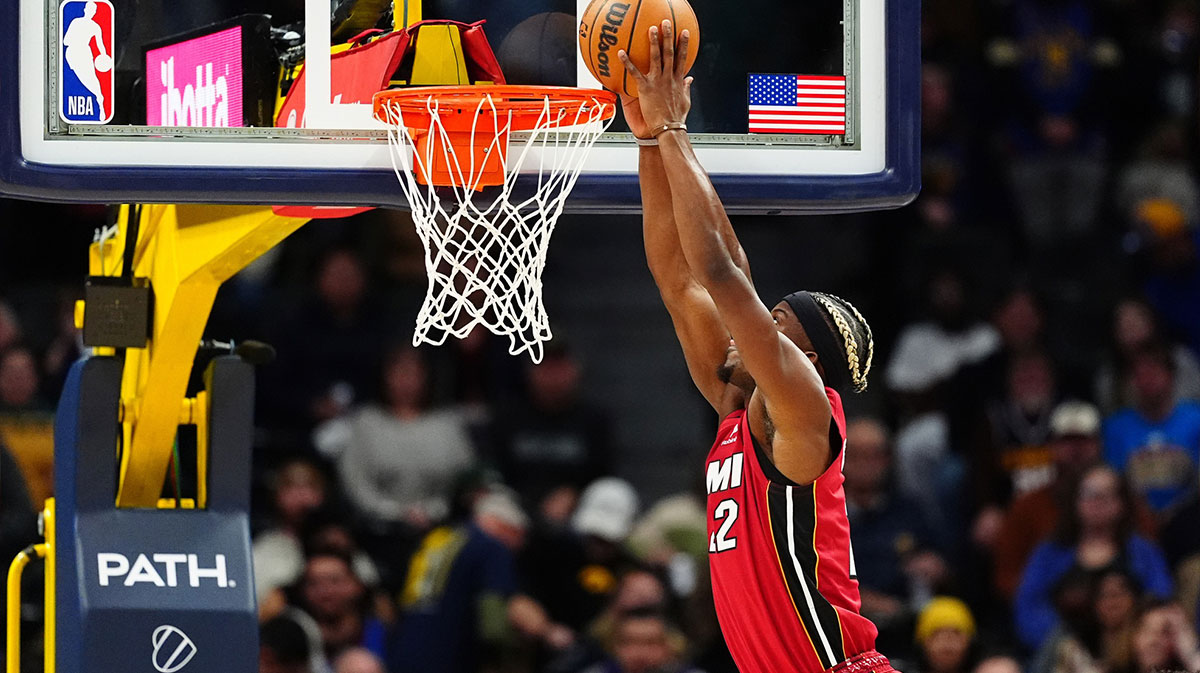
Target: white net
{"type": "Point", "coordinates": [485, 249]}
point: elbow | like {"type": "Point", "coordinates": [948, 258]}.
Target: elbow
{"type": "Point", "coordinates": [719, 271]}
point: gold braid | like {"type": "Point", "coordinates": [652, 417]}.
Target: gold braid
{"type": "Point", "coordinates": [858, 370]}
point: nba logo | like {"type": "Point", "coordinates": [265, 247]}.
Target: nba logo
{"type": "Point", "coordinates": [85, 82]}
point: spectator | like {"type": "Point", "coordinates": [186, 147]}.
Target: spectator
{"type": "Point", "coordinates": [1172, 274]}
{"type": "Point", "coordinates": [461, 601]}
{"type": "Point", "coordinates": [552, 443]}
{"type": "Point", "coordinates": [1075, 446]}
{"type": "Point", "coordinates": [1160, 172]}
{"type": "Point", "coordinates": [898, 566]}
{"type": "Point", "coordinates": [1156, 441]}
{"type": "Point", "coordinates": [998, 663]}
{"type": "Point", "coordinates": [26, 424]}
{"type": "Point", "coordinates": [63, 351]}
{"type": "Point", "coordinates": [326, 531]}
{"type": "Point", "coordinates": [945, 636]}
{"type": "Point", "coordinates": [673, 534]}
{"type": "Point", "coordinates": [928, 355]}
{"type": "Point", "coordinates": [574, 573]}
{"type": "Point", "coordinates": [1177, 38]}
{"type": "Point", "coordinates": [1180, 540]}
{"type": "Point", "coordinates": [338, 601]}
{"type": "Point", "coordinates": [1056, 118]}
{"type": "Point", "coordinates": [397, 461]}
{"type": "Point", "coordinates": [644, 642]}
{"type": "Point", "coordinates": [10, 327]}
{"type": "Point", "coordinates": [1136, 328]}
{"type": "Point", "coordinates": [358, 660]}
{"type": "Point", "coordinates": [283, 647]}
{"type": "Point", "coordinates": [19, 382]}
{"type": "Point", "coordinates": [1095, 534]}
{"type": "Point", "coordinates": [1095, 637]}
{"type": "Point", "coordinates": [637, 589]}
{"type": "Point", "coordinates": [1020, 322]}
{"type": "Point", "coordinates": [329, 350]}
{"type": "Point", "coordinates": [930, 352]}
{"type": "Point", "coordinates": [1163, 640]}
{"type": "Point", "coordinates": [18, 519]}
{"type": "Point", "coordinates": [298, 490]}
{"type": "Point", "coordinates": [1016, 459]}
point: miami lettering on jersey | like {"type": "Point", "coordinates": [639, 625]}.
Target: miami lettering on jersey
{"type": "Point", "coordinates": [86, 72]}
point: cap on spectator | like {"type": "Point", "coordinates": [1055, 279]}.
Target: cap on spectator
{"type": "Point", "coordinates": [502, 504]}
{"type": "Point", "coordinates": [944, 612]}
{"type": "Point", "coordinates": [1073, 418]}
{"type": "Point", "coordinates": [606, 509]}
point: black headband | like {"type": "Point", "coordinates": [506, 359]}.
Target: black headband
{"type": "Point", "coordinates": [816, 326]}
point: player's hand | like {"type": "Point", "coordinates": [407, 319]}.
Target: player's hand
{"type": "Point", "coordinates": [664, 90]}
{"type": "Point", "coordinates": [632, 108]}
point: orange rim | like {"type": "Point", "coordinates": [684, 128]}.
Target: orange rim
{"type": "Point", "coordinates": [459, 105]}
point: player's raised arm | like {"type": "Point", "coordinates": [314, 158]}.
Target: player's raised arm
{"type": "Point", "coordinates": [698, 325]}
{"type": "Point", "coordinates": [792, 387]}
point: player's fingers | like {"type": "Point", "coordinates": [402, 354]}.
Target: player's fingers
{"type": "Point", "coordinates": [668, 46]}
{"type": "Point", "coordinates": [655, 51]}
{"type": "Point", "coordinates": [630, 67]}
{"type": "Point", "coordinates": [682, 57]}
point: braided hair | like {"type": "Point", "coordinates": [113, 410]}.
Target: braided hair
{"type": "Point", "coordinates": [855, 340]}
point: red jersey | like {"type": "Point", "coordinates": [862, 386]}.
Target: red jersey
{"type": "Point", "coordinates": [782, 567]}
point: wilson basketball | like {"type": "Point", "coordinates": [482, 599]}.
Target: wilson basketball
{"type": "Point", "coordinates": [608, 26]}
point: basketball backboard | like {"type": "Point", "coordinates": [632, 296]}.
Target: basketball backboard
{"type": "Point", "coordinates": [73, 131]}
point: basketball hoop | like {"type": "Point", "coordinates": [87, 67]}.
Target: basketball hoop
{"type": "Point", "coordinates": [458, 162]}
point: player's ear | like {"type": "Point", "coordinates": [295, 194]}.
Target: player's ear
{"type": "Point", "coordinates": [812, 357]}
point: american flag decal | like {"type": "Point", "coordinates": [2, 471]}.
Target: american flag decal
{"type": "Point", "coordinates": [798, 104]}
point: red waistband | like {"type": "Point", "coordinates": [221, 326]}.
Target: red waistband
{"type": "Point", "coordinates": [867, 662]}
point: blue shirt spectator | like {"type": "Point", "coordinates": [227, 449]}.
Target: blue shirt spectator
{"type": "Point", "coordinates": [453, 576]}
{"type": "Point", "coordinates": [1155, 443]}
{"type": "Point", "coordinates": [1173, 280]}
{"type": "Point", "coordinates": [1095, 535]}
{"type": "Point", "coordinates": [460, 603]}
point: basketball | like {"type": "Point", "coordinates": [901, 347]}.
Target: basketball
{"type": "Point", "coordinates": [608, 26]}
{"type": "Point", "coordinates": [103, 63]}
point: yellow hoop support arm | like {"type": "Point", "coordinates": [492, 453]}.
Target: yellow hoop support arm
{"type": "Point", "coordinates": [186, 251]}
{"type": "Point", "coordinates": [13, 663]}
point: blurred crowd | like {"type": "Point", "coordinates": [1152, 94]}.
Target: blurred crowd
{"type": "Point", "coordinates": [1021, 479]}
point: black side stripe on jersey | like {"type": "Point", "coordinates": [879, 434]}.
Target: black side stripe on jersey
{"type": "Point", "coordinates": [792, 520]}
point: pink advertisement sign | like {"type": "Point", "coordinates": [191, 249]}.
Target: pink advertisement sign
{"type": "Point", "coordinates": [197, 82]}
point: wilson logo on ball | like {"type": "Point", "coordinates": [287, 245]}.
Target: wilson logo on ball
{"type": "Point", "coordinates": [608, 35]}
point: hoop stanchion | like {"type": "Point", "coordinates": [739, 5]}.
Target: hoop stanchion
{"type": "Point", "coordinates": [453, 154]}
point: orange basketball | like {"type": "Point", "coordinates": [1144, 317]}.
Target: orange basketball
{"type": "Point", "coordinates": [611, 25]}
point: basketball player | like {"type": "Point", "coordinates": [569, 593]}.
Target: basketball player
{"type": "Point", "coordinates": [78, 42]}
{"type": "Point", "coordinates": [779, 540]}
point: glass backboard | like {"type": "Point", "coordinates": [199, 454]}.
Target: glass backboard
{"type": "Point", "coordinates": [189, 107]}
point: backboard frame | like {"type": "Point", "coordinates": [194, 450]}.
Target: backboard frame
{"type": "Point", "coordinates": [895, 185]}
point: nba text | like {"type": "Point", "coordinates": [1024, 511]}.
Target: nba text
{"type": "Point", "coordinates": [81, 106]}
